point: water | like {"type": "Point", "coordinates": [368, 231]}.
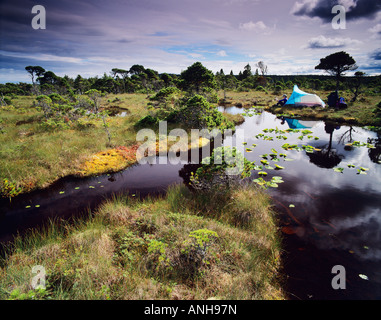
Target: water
{"type": "Point", "coordinates": [334, 218]}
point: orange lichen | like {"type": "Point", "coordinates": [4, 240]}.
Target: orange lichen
{"type": "Point", "coordinates": [111, 160]}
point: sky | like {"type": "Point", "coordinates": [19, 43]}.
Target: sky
{"type": "Point", "coordinates": [91, 37]}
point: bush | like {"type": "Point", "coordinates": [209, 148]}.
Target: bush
{"type": "Point", "coordinates": [147, 121]}
{"type": "Point", "coordinates": [165, 93]}
{"type": "Point", "coordinates": [198, 113]}
{"type": "Point", "coordinates": [260, 88]}
{"type": "Point", "coordinates": [225, 167]}
{"type": "Point", "coordinates": [198, 252]}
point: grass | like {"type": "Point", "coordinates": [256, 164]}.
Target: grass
{"type": "Point", "coordinates": [359, 113]}
{"type": "Point", "coordinates": [177, 247]}
{"type": "Point", "coordinates": [32, 157]}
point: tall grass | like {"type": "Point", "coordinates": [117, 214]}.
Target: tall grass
{"type": "Point", "coordinates": [144, 249]}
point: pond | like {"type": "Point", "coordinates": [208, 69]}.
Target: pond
{"type": "Point", "coordinates": [327, 217]}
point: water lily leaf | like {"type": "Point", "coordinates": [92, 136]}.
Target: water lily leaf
{"type": "Point", "coordinates": [363, 276]}
{"type": "Point", "coordinates": [62, 192]}
{"type": "Point", "coordinates": [366, 247]}
{"type": "Point", "coordinates": [264, 161]}
{"type": "Point", "coordinates": [76, 188]}
{"type": "Point", "coordinates": [260, 181]}
{"type": "Point", "coordinates": [254, 145]}
{"type": "Point", "coordinates": [262, 173]}
{"type": "Point", "coordinates": [288, 159]}
{"type": "Point", "coordinates": [249, 150]}
{"type": "Point", "coordinates": [37, 205]}
{"type": "Point", "coordinates": [338, 170]}
{"type": "Point", "coordinates": [274, 151]}
{"type": "Point", "coordinates": [91, 187]}
{"type": "Point", "coordinates": [278, 167]}
{"type": "Point", "coordinates": [292, 206]}
{"type": "Point", "coordinates": [27, 207]}
{"type": "Point", "coordinates": [364, 169]}
{"type": "Point", "coordinates": [351, 166]}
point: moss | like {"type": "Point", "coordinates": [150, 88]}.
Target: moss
{"type": "Point", "coordinates": [112, 160]}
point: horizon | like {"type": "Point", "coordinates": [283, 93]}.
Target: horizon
{"type": "Point", "coordinates": [92, 37]}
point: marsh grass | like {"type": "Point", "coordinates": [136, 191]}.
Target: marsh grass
{"type": "Point", "coordinates": [175, 247]}
{"type": "Point", "coordinates": [33, 157]}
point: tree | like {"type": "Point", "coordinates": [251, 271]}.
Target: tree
{"type": "Point", "coordinates": [35, 71]}
{"type": "Point", "coordinates": [136, 69]}
{"type": "Point", "coordinates": [336, 64]}
{"type": "Point", "coordinates": [197, 76]}
{"type": "Point", "coordinates": [356, 85]}
{"type": "Point", "coordinates": [246, 72]}
{"type": "Point", "coordinates": [262, 67]}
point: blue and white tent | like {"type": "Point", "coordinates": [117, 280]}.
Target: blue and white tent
{"type": "Point", "coordinates": [300, 98]}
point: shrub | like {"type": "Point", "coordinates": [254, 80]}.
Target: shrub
{"type": "Point", "coordinates": [223, 168]}
{"type": "Point", "coordinates": [165, 93]}
{"type": "Point", "coordinates": [147, 121]}
{"type": "Point", "coordinates": [198, 252]}
{"type": "Point", "coordinates": [199, 113]}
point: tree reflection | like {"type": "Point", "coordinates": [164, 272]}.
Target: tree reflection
{"type": "Point", "coordinates": [326, 157]}
{"type": "Point", "coordinates": [375, 153]}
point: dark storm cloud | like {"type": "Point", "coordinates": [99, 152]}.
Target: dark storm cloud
{"type": "Point", "coordinates": [323, 9]}
{"type": "Point", "coordinates": [376, 55]}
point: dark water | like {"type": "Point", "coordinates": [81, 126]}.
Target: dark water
{"type": "Point", "coordinates": [336, 218]}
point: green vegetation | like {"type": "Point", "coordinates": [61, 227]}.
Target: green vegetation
{"type": "Point", "coordinates": [184, 246]}
{"type": "Point", "coordinates": [215, 242]}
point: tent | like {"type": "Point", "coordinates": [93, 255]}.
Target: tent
{"type": "Point", "coordinates": [299, 124]}
{"type": "Point", "coordinates": [300, 98]}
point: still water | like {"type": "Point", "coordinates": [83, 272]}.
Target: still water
{"type": "Point", "coordinates": [327, 218]}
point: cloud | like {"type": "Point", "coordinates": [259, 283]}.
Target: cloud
{"type": "Point", "coordinates": [376, 31]}
{"type": "Point", "coordinates": [322, 42]}
{"type": "Point", "coordinates": [196, 55]}
{"type": "Point", "coordinates": [259, 26]}
{"type": "Point", "coordinates": [41, 57]}
{"type": "Point", "coordinates": [355, 9]}
{"type": "Point", "coordinates": [221, 53]}
{"type": "Point", "coordinates": [376, 55]}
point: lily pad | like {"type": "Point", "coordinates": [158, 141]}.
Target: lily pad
{"type": "Point", "coordinates": [363, 276]}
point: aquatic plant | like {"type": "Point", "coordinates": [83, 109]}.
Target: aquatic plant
{"type": "Point", "coordinates": [9, 189]}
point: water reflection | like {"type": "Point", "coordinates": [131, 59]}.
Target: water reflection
{"type": "Point", "coordinates": [326, 157]}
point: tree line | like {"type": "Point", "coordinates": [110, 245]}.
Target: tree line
{"type": "Point", "coordinates": [196, 77]}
